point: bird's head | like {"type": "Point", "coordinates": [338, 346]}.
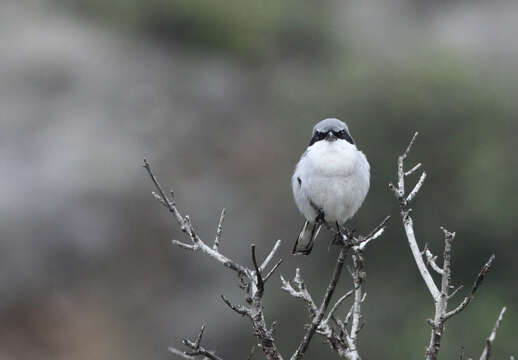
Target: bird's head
{"type": "Point", "coordinates": [331, 130]}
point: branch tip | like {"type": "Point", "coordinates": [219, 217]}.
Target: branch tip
{"type": "Point", "coordinates": [241, 310]}
{"type": "Point", "coordinates": [486, 353]}
{"type": "Point", "coordinates": [414, 169]}
{"type": "Point", "coordinates": [410, 145]}
{"type": "Point", "coordinates": [272, 270]}
{"type": "Point", "coordinates": [270, 256]}
{"type": "Point", "coordinates": [219, 230]}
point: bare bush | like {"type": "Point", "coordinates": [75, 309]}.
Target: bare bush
{"type": "Point", "coordinates": [340, 334]}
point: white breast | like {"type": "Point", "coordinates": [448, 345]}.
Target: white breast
{"type": "Point", "coordinates": [333, 176]}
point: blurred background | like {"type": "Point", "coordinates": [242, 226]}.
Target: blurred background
{"type": "Point", "coordinates": [221, 96]}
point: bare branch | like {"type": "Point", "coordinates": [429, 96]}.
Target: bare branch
{"type": "Point", "coordinates": [219, 231]}
{"type": "Point", "coordinates": [356, 308]}
{"type": "Point", "coordinates": [184, 245]}
{"type": "Point", "coordinates": [373, 235]}
{"type": "Point", "coordinates": [417, 187]}
{"type": "Point", "coordinates": [441, 296]}
{"type": "Point", "coordinates": [441, 304]}
{"type": "Point", "coordinates": [241, 310]}
{"type": "Point", "coordinates": [395, 191]}
{"type": "Point", "coordinates": [446, 267]}
{"type": "Point", "coordinates": [200, 335]}
{"type": "Point", "coordinates": [486, 353]}
{"type": "Point", "coordinates": [476, 284]}
{"type": "Point", "coordinates": [270, 255]}
{"type": "Point", "coordinates": [180, 353]}
{"type": "Point", "coordinates": [412, 242]}
{"type": "Point", "coordinates": [168, 203]}
{"type": "Point", "coordinates": [414, 169]}
{"type": "Point", "coordinates": [160, 199]}
{"type": "Point", "coordinates": [410, 145]}
{"type": "Point", "coordinates": [408, 225]}
{"type": "Point", "coordinates": [340, 334]}
{"type": "Point", "coordinates": [196, 349]}
{"type": "Point", "coordinates": [482, 274]}
{"type": "Point", "coordinates": [301, 349]}
{"type": "Point", "coordinates": [454, 292]}
{"type": "Point", "coordinates": [337, 304]}
{"type": "Point", "coordinates": [187, 227]}
{"type": "Point", "coordinates": [272, 270]}
{"type": "Point", "coordinates": [400, 167]}
{"type": "Point", "coordinates": [302, 292]}
{"type": "Point", "coordinates": [251, 280]}
{"type": "Point", "coordinates": [330, 327]}
{"type": "Point", "coordinates": [430, 260]}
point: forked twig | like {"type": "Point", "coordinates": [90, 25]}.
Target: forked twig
{"type": "Point", "coordinates": [196, 349]}
{"type": "Point", "coordinates": [252, 279]}
{"type": "Point", "coordinates": [440, 295]}
{"type": "Point", "coordinates": [335, 331]}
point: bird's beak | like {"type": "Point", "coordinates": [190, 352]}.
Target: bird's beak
{"type": "Point", "coordinates": [330, 136]}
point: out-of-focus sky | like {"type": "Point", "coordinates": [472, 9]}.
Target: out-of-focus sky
{"type": "Point", "coordinates": [221, 96]}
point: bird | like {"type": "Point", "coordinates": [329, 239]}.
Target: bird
{"type": "Point", "coordinates": [330, 181]}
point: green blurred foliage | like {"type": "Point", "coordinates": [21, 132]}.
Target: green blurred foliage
{"type": "Point", "coordinates": [252, 30]}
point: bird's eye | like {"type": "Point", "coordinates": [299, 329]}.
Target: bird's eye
{"type": "Point", "coordinates": [317, 136]}
{"type": "Point", "coordinates": [343, 134]}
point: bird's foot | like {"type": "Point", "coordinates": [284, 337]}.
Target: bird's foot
{"type": "Point", "coordinates": [321, 217]}
{"type": "Point", "coordinates": [343, 235]}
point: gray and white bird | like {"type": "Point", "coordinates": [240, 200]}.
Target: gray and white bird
{"type": "Point", "coordinates": [330, 181]}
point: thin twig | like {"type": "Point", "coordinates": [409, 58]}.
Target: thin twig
{"type": "Point", "coordinates": [441, 304]}
{"type": "Point", "coordinates": [373, 235]}
{"type": "Point", "coordinates": [416, 188]}
{"type": "Point", "coordinates": [270, 255]}
{"type": "Point", "coordinates": [414, 169]}
{"type": "Point", "coordinates": [187, 227]}
{"type": "Point", "coordinates": [219, 231]}
{"type": "Point", "coordinates": [180, 353]}
{"type": "Point", "coordinates": [241, 310]}
{"type": "Point", "coordinates": [410, 145]}
{"type": "Point", "coordinates": [196, 349]}
{"type": "Point", "coordinates": [430, 260]}
{"type": "Point", "coordinates": [486, 353]}
{"type": "Point", "coordinates": [408, 225]}
{"type": "Point", "coordinates": [333, 329]}
{"type": "Point", "coordinates": [412, 242]}
{"type": "Point", "coordinates": [302, 292]}
{"type": "Point", "coordinates": [454, 292]}
{"type": "Point", "coordinates": [337, 304]}
{"type": "Point", "coordinates": [441, 296]}
{"type": "Point", "coordinates": [301, 349]}
{"type": "Point", "coordinates": [481, 275]}
{"type": "Point", "coordinates": [272, 270]}
{"type": "Point", "coordinates": [358, 275]}
{"type": "Point", "coordinates": [251, 280]}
